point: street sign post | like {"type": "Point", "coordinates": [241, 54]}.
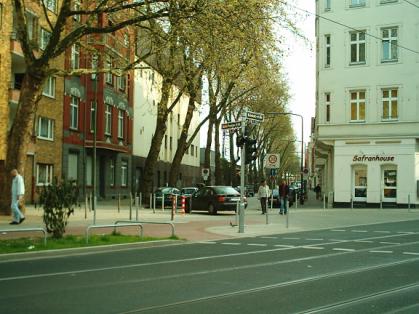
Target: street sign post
{"type": "Point", "coordinates": [272, 161]}
{"type": "Point", "coordinates": [231, 125]}
{"type": "Point", "coordinates": [255, 116]}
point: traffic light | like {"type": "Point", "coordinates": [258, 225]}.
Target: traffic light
{"type": "Point", "coordinates": [250, 150]}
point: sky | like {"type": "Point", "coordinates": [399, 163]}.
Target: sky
{"type": "Point", "coordinates": [300, 66]}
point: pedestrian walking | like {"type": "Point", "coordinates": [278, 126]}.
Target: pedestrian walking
{"type": "Point", "coordinates": [263, 194]}
{"type": "Point", "coordinates": [283, 194]}
{"type": "Point", "coordinates": [318, 191]}
{"type": "Point", "coordinates": [18, 192]}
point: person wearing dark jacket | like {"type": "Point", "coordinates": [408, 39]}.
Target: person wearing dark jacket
{"type": "Point", "coordinates": [283, 194]}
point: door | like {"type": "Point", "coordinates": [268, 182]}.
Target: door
{"type": "Point", "coordinates": [389, 175]}
{"type": "Point", "coordinates": [360, 185]}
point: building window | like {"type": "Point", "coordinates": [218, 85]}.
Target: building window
{"type": "Point", "coordinates": [121, 123]}
{"type": "Point", "coordinates": [360, 185]}
{"type": "Point", "coordinates": [357, 105]}
{"type": "Point", "coordinates": [51, 5]}
{"type": "Point", "coordinates": [44, 39]}
{"type": "Point", "coordinates": [122, 82]}
{"type": "Point", "coordinates": [170, 143]}
{"type": "Point", "coordinates": [165, 141]}
{"type": "Point", "coordinates": [74, 113]}
{"type": "Point", "coordinates": [92, 117]}
{"type": "Point", "coordinates": [44, 173]}
{"type": "Point", "coordinates": [390, 104]}
{"type": "Point", "coordinates": [112, 172]}
{"type": "Point", "coordinates": [45, 128]}
{"type": "Point", "coordinates": [126, 40]}
{"type": "Point", "coordinates": [108, 119]}
{"type": "Point", "coordinates": [327, 96]}
{"type": "Point", "coordinates": [196, 151]}
{"type": "Point", "coordinates": [108, 75]}
{"type": "Point", "coordinates": [49, 87]}
{"type": "Point", "coordinates": [95, 64]}
{"type": "Point", "coordinates": [390, 183]}
{"type": "Point", "coordinates": [75, 56]}
{"type": "Point", "coordinates": [389, 44]}
{"type": "Point", "coordinates": [327, 5]}
{"type": "Point", "coordinates": [73, 161]}
{"type": "Point", "coordinates": [328, 48]}
{"type": "Point", "coordinates": [357, 3]}
{"type": "Point", "coordinates": [76, 7]}
{"type": "Point", "coordinates": [357, 47]}
{"type": "Point", "coordinates": [192, 150]}
{"type": "Point", "coordinates": [32, 26]}
{"type": "Point", "coordinates": [124, 173]}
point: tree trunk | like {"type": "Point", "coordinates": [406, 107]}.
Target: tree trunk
{"type": "Point", "coordinates": [211, 121]}
{"type": "Point", "coordinates": [21, 132]}
{"type": "Point", "coordinates": [161, 127]}
{"type": "Point", "coordinates": [219, 178]}
{"type": "Point", "coordinates": [182, 147]}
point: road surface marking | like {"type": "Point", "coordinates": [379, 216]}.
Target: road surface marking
{"type": "Point", "coordinates": [314, 239]}
{"type": "Point", "coordinates": [290, 238]}
{"type": "Point", "coordinates": [269, 237]}
{"type": "Point", "coordinates": [257, 244]}
{"type": "Point", "coordinates": [230, 243]}
{"type": "Point", "coordinates": [391, 243]}
{"type": "Point", "coordinates": [338, 230]}
{"type": "Point", "coordinates": [363, 241]}
{"type": "Point", "coordinates": [410, 253]}
{"type": "Point", "coordinates": [359, 231]}
{"type": "Point", "coordinates": [313, 247]}
{"type": "Point", "coordinates": [338, 240]}
{"type": "Point", "coordinates": [406, 232]}
{"type": "Point", "coordinates": [207, 242]}
{"type": "Point", "coordinates": [285, 246]}
{"type": "Point", "coordinates": [382, 231]}
{"type": "Point", "coordinates": [342, 249]}
{"type": "Point", "coordinates": [378, 251]}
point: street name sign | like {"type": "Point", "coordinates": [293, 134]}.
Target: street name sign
{"type": "Point", "coordinates": [255, 116]}
{"type": "Point", "coordinates": [231, 125]}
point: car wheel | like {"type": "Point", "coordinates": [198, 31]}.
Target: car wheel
{"type": "Point", "coordinates": [212, 210]}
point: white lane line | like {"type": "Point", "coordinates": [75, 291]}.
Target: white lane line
{"type": "Point", "coordinates": [290, 238]}
{"type": "Point", "coordinates": [363, 241]}
{"type": "Point", "coordinates": [206, 242]}
{"type": "Point", "coordinates": [285, 246]}
{"type": "Point", "coordinates": [378, 251]}
{"type": "Point", "coordinates": [391, 243]}
{"type": "Point", "coordinates": [406, 232]}
{"type": "Point", "coordinates": [338, 240]}
{"type": "Point", "coordinates": [382, 231]}
{"type": "Point", "coordinates": [269, 237]}
{"type": "Point", "coordinates": [314, 239]}
{"type": "Point", "coordinates": [313, 247]}
{"type": "Point", "coordinates": [359, 231]}
{"type": "Point", "coordinates": [230, 243]}
{"type": "Point", "coordinates": [257, 244]}
{"type": "Point", "coordinates": [338, 230]}
{"type": "Point", "coordinates": [410, 253]}
{"type": "Point", "coordinates": [342, 249]}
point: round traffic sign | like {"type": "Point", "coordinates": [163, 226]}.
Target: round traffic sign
{"type": "Point", "coordinates": [272, 159]}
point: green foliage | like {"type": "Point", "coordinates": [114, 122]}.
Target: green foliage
{"type": "Point", "coordinates": [58, 201]}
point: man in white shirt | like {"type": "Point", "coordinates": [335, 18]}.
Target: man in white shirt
{"type": "Point", "coordinates": [263, 194]}
{"type": "Point", "coordinates": [18, 192]}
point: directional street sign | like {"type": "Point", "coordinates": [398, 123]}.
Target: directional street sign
{"type": "Point", "coordinates": [255, 116]}
{"type": "Point", "coordinates": [231, 125]}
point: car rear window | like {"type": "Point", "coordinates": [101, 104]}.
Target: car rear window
{"type": "Point", "coordinates": [188, 191]}
{"type": "Point", "coordinates": [166, 190]}
{"type": "Point", "coordinates": [225, 190]}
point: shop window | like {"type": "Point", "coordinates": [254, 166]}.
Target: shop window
{"type": "Point", "coordinates": [390, 183]}
{"type": "Point", "coordinates": [360, 183]}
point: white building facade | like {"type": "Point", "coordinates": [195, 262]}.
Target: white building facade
{"type": "Point", "coordinates": [147, 94]}
{"type": "Point", "coordinates": [367, 102]}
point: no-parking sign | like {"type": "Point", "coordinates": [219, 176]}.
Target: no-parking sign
{"type": "Point", "coordinates": [272, 161]}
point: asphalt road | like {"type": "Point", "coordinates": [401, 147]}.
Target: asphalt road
{"type": "Point", "coordinates": [365, 269]}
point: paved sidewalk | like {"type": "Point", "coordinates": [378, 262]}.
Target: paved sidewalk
{"type": "Point", "coordinates": [201, 226]}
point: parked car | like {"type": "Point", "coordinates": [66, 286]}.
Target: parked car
{"type": "Point", "coordinates": [188, 191]}
{"type": "Point", "coordinates": [168, 193]}
{"type": "Point", "coordinates": [214, 199]}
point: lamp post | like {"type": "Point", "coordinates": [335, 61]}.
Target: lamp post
{"type": "Point", "coordinates": [302, 145]}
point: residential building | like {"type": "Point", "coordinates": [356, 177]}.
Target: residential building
{"type": "Point", "coordinates": [108, 97]}
{"type": "Point", "coordinates": [367, 107]}
{"type": "Point", "coordinates": [45, 150]}
{"type": "Point", "coordinates": [147, 94]}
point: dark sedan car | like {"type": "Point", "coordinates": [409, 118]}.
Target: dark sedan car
{"type": "Point", "coordinates": [214, 199]}
{"type": "Point", "coordinates": [167, 193]}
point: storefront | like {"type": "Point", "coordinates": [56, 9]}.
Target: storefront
{"type": "Point", "coordinates": [375, 173]}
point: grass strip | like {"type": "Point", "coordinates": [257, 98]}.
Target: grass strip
{"type": "Point", "coordinates": [70, 241]}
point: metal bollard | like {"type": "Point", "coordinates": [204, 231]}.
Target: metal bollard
{"type": "Point", "coordinates": [237, 213]}
{"type": "Point", "coordinates": [141, 200]}
{"type": "Point", "coordinates": [287, 219]}
{"type": "Point", "coordinates": [352, 202]}
{"type": "Point", "coordinates": [137, 205]}
{"type": "Point", "coordinates": [162, 202]}
{"type": "Point", "coordinates": [154, 203]}
{"type": "Point", "coordinates": [408, 202]}
{"type": "Point", "coordinates": [130, 206]}
{"type": "Point", "coordinates": [85, 206]}
{"type": "Point", "coordinates": [267, 213]}
{"type": "Point", "coordinates": [324, 201]}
